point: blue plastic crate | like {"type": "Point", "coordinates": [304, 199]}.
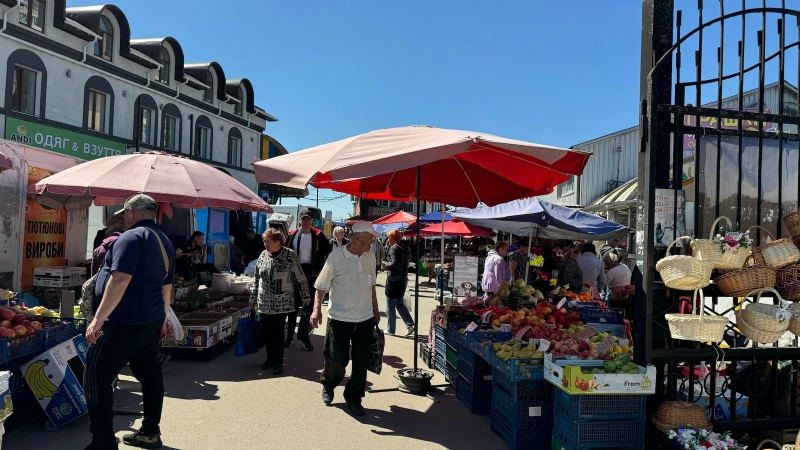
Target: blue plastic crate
{"type": "Point", "coordinates": [58, 333]}
{"type": "Point", "coordinates": [456, 339]}
{"type": "Point", "coordinates": [579, 408]}
{"type": "Point", "coordinates": [475, 338]}
{"type": "Point", "coordinates": [451, 356]}
{"type": "Point", "coordinates": [475, 391]}
{"type": "Point", "coordinates": [439, 332]}
{"type": "Point", "coordinates": [528, 390]}
{"type": "Point", "coordinates": [19, 346]}
{"type": "Point", "coordinates": [518, 439]}
{"type": "Point", "coordinates": [599, 433]}
{"type": "Point", "coordinates": [524, 414]}
{"type": "Point", "coordinates": [519, 369]}
{"type": "Point", "coordinates": [450, 373]}
{"type": "Point", "coordinates": [602, 315]}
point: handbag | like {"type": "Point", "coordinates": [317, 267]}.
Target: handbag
{"type": "Point", "coordinates": [250, 338]}
{"type": "Point", "coordinates": [376, 351]}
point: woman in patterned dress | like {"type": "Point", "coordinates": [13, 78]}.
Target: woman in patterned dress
{"type": "Point", "coordinates": [279, 288]}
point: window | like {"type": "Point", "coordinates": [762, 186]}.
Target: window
{"type": "Point", "coordinates": [163, 74]}
{"type": "Point", "coordinates": [32, 14]}
{"type": "Point", "coordinates": [234, 151]}
{"type": "Point", "coordinates": [96, 113]}
{"type": "Point", "coordinates": [146, 126]}
{"type": "Point", "coordinates": [23, 91]}
{"type": "Point", "coordinates": [104, 47]}
{"type": "Point", "coordinates": [169, 133]}
{"type": "Point", "coordinates": [237, 107]}
{"type": "Point", "coordinates": [566, 188]}
{"type": "Point", "coordinates": [207, 94]}
{"type": "Point", "coordinates": [203, 138]}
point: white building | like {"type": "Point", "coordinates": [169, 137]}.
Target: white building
{"type": "Point", "coordinates": [77, 87]}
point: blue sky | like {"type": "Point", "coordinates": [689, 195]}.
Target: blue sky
{"type": "Point", "coordinates": [556, 73]}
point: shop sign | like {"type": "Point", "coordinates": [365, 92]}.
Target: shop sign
{"type": "Point", "coordinates": [378, 211]}
{"type": "Point", "coordinates": [45, 236]}
{"type": "Point", "coordinates": [667, 228]}
{"type": "Point", "coordinates": [61, 141]}
{"type": "Point", "coordinates": [689, 140]}
{"type": "Point", "coordinates": [465, 278]}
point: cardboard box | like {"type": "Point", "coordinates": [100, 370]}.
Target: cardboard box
{"type": "Point", "coordinates": [563, 373]}
{"type": "Point", "coordinates": [225, 321]}
{"type": "Point", "coordinates": [55, 378]}
{"type": "Point", "coordinates": [722, 406]}
{"type": "Point", "coordinates": [6, 407]}
{"type": "Point", "coordinates": [198, 333]}
{"type": "Point", "coordinates": [59, 276]}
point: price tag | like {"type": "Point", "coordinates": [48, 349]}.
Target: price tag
{"type": "Point", "coordinates": [522, 332]}
{"type": "Point", "coordinates": [586, 333]}
{"type": "Point", "coordinates": [544, 345]}
{"type": "Point", "coordinates": [561, 303]}
{"type": "Point", "coordinates": [604, 345]}
{"type": "Point", "coordinates": [505, 327]}
{"type": "Point", "coordinates": [486, 316]}
{"type": "Point", "coordinates": [471, 327]}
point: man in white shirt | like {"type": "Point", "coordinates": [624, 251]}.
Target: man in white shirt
{"type": "Point", "coordinates": [593, 272]}
{"type": "Point", "coordinates": [349, 275]}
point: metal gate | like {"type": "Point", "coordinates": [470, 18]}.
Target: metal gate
{"type": "Point", "coordinates": [719, 125]}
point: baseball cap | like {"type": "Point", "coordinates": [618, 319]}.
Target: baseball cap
{"type": "Point", "coordinates": [141, 202]}
{"type": "Point", "coordinates": [362, 226]}
{"type": "Point", "coordinates": [304, 213]}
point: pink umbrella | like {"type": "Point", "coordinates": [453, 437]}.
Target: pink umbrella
{"type": "Point", "coordinates": [166, 178]}
{"type": "Point", "coordinates": [396, 217]}
{"type": "Point", "coordinates": [456, 228]}
{"type": "Point", "coordinates": [5, 162]}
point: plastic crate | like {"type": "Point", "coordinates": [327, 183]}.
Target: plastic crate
{"type": "Point", "coordinates": [439, 332]}
{"type": "Point", "coordinates": [524, 414]}
{"type": "Point", "coordinates": [450, 373]}
{"type": "Point", "coordinates": [456, 339]}
{"type": "Point", "coordinates": [520, 439]}
{"type": "Point", "coordinates": [19, 346]}
{"type": "Point", "coordinates": [426, 354]}
{"type": "Point", "coordinates": [474, 386]}
{"type": "Point", "coordinates": [599, 434]}
{"type": "Point", "coordinates": [520, 369]}
{"type": "Point", "coordinates": [451, 356]}
{"type": "Point", "coordinates": [558, 445]}
{"type": "Point", "coordinates": [475, 338]}
{"type": "Point", "coordinates": [578, 408]}
{"type": "Point", "coordinates": [57, 334]}
{"type": "Point", "coordinates": [530, 390]}
{"type": "Point", "coordinates": [602, 315]}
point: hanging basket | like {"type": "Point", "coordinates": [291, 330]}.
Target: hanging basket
{"type": "Point", "coordinates": [685, 273]}
{"type": "Point", "coordinates": [743, 281]}
{"type": "Point", "coordinates": [752, 333]}
{"type": "Point", "coordinates": [787, 282]}
{"type": "Point", "coordinates": [794, 322]}
{"type": "Point", "coordinates": [697, 327]}
{"type": "Point", "coordinates": [711, 252]}
{"type": "Point", "coordinates": [778, 253]}
{"type": "Point", "coordinates": [759, 322]}
{"type": "Point", "coordinates": [779, 446]}
{"type": "Point", "coordinates": [678, 414]}
{"type": "Point", "coordinates": [792, 222]}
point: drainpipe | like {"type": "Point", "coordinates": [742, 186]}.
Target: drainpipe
{"type": "Point", "coordinates": [86, 46]}
{"type": "Point", "coordinates": [178, 90]}
{"type": "Point", "coordinates": [191, 135]}
{"type": "Point", "coordinates": [5, 15]}
{"type": "Point", "coordinates": [153, 71]}
{"type": "Point", "coordinates": [619, 156]}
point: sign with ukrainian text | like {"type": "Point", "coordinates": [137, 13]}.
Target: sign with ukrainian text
{"type": "Point", "coordinates": [61, 141]}
{"type": "Point", "coordinates": [725, 123]}
{"type": "Point", "coordinates": [45, 235]}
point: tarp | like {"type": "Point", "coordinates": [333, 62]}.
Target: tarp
{"type": "Point", "coordinates": [436, 216]}
{"type": "Point", "coordinates": [539, 218]}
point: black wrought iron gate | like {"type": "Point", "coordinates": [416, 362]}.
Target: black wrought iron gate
{"type": "Point", "coordinates": [719, 125]}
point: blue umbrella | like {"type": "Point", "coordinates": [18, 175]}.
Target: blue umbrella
{"type": "Point", "coordinates": [436, 216]}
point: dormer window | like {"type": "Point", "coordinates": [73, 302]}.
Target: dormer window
{"type": "Point", "coordinates": [164, 60]}
{"type": "Point", "coordinates": [31, 14]}
{"type": "Point", "coordinates": [104, 47]}
{"type": "Point", "coordinates": [237, 107]}
{"type": "Point", "coordinates": [208, 95]}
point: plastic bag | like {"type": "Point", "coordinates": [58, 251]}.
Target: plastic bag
{"type": "Point", "coordinates": [174, 328]}
{"type": "Point", "coordinates": [250, 270]}
{"type": "Point", "coordinates": [250, 338]}
{"type": "Point", "coordinates": [376, 351]}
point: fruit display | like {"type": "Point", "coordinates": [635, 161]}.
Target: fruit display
{"type": "Point", "coordinates": [515, 348]}
{"type": "Point", "coordinates": [20, 320]}
{"type": "Point", "coordinates": [513, 295]}
{"type": "Point", "coordinates": [543, 313]}
{"type": "Point", "coordinates": [619, 364]}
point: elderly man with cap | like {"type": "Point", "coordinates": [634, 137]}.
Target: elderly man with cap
{"type": "Point", "coordinates": [349, 276]}
{"type": "Point", "coordinates": [131, 299]}
{"type": "Point", "coordinates": [312, 248]}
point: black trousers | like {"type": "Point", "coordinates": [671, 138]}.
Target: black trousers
{"type": "Point", "coordinates": [305, 323]}
{"type": "Point", "coordinates": [339, 338]}
{"type": "Point", "coordinates": [118, 345]}
{"type": "Point", "coordinates": [272, 329]}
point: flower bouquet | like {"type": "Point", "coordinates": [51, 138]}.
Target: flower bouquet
{"type": "Point", "coordinates": [700, 439]}
{"type": "Point", "coordinates": [725, 250]}
{"type": "Point", "coordinates": [732, 240]}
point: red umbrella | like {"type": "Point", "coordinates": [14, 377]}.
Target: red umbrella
{"type": "Point", "coordinates": [166, 178]}
{"type": "Point", "coordinates": [396, 217]}
{"type": "Point", "coordinates": [459, 168]}
{"type": "Point", "coordinates": [456, 228]}
{"type": "Point", "coordinates": [5, 162]}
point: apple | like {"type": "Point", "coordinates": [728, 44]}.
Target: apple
{"type": "Point", "coordinates": [563, 310]}
{"type": "Point", "coordinates": [7, 314]}
{"type": "Point", "coordinates": [6, 333]}
{"type": "Point", "coordinates": [515, 323]}
{"type": "Point", "coordinates": [19, 330]}
{"type": "Point", "coordinates": [496, 323]}
{"type": "Point", "coordinates": [6, 324]}
{"type": "Point", "coordinates": [547, 311]}
{"type": "Point", "coordinates": [25, 323]}
{"type": "Point", "coordinates": [18, 319]}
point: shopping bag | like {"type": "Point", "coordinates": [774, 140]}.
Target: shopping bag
{"type": "Point", "coordinates": [376, 351]}
{"type": "Point", "coordinates": [174, 328]}
{"type": "Point", "coordinates": [250, 338]}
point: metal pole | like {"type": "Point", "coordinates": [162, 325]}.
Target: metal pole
{"type": "Point", "coordinates": [416, 285]}
{"type": "Point", "coordinates": [528, 268]}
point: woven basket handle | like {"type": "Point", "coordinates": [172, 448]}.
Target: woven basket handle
{"type": "Point", "coordinates": [676, 240]}
{"type": "Point", "coordinates": [714, 226]}
{"type": "Point", "coordinates": [702, 303]}
{"type": "Point", "coordinates": [771, 237]}
{"type": "Point", "coordinates": [761, 291]}
{"type": "Point", "coordinates": [770, 441]}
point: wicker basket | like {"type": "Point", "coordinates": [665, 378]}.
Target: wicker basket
{"type": "Point", "coordinates": [743, 281]}
{"type": "Point", "coordinates": [762, 316]}
{"type": "Point", "coordinates": [779, 446]}
{"type": "Point", "coordinates": [677, 414]}
{"type": "Point", "coordinates": [787, 282]}
{"type": "Point", "coordinates": [711, 252]}
{"type": "Point", "coordinates": [697, 327]}
{"type": "Point", "coordinates": [792, 222]}
{"type": "Point", "coordinates": [776, 254]}
{"type": "Point", "coordinates": [747, 330]}
{"type": "Point", "coordinates": [794, 322]}
{"type": "Point", "coordinates": [685, 273]}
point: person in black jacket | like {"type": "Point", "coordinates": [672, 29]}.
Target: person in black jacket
{"type": "Point", "coordinates": [312, 248]}
{"type": "Point", "coordinates": [396, 281]}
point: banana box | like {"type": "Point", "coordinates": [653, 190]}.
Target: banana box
{"type": "Point", "coordinates": [6, 408]}
{"type": "Point", "coordinates": [54, 382]}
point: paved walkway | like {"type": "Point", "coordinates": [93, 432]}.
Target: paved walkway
{"type": "Point", "coordinates": [231, 403]}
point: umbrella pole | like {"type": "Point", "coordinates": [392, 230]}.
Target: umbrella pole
{"type": "Point", "coordinates": [440, 278]}
{"type": "Point", "coordinates": [416, 285]}
{"type": "Point", "coordinates": [528, 269]}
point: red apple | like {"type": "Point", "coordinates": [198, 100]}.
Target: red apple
{"type": "Point", "coordinates": [18, 319]}
{"type": "Point", "coordinates": [7, 314]}
{"type": "Point", "coordinates": [6, 324]}
{"type": "Point", "coordinates": [19, 330]}
{"type": "Point", "coordinates": [36, 325]}
{"type": "Point", "coordinates": [6, 333]}
{"type": "Point", "coordinates": [547, 311]}
{"type": "Point", "coordinates": [25, 323]}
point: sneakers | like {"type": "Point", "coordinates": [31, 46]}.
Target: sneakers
{"type": "Point", "coordinates": [162, 359]}
{"type": "Point", "coordinates": [140, 440]}
{"type": "Point", "coordinates": [277, 369]}
{"type": "Point", "coordinates": [268, 364]}
{"type": "Point", "coordinates": [289, 342]}
{"type": "Point", "coordinates": [356, 409]}
{"type": "Point", "coordinates": [306, 345]}
{"type": "Point", "coordinates": [410, 331]}
{"type": "Point", "coordinates": [327, 396]}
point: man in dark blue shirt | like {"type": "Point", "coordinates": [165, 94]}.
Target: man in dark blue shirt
{"type": "Point", "coordinates": [132, 297]}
